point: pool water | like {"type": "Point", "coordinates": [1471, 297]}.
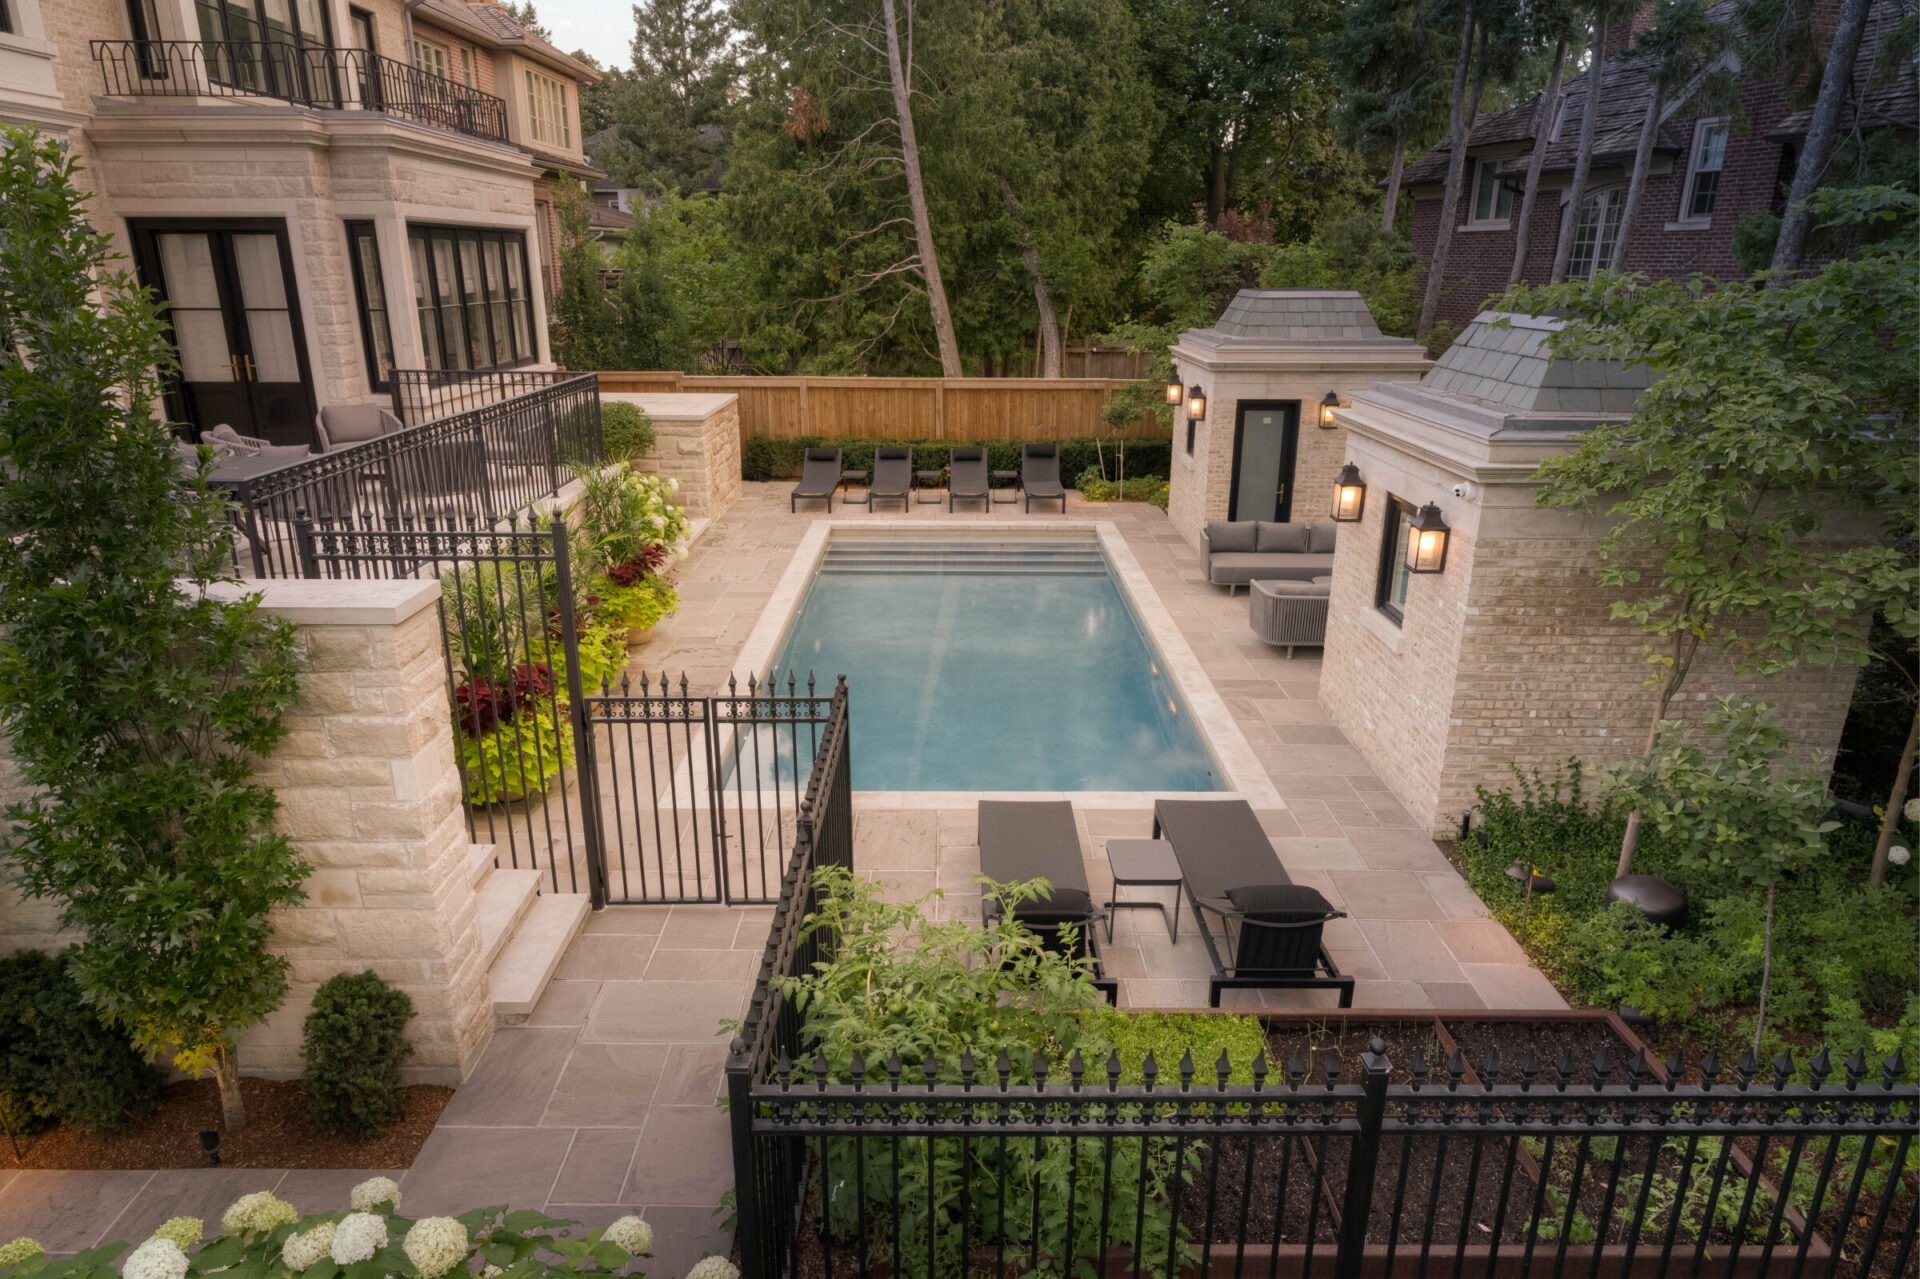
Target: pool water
{"type": "Point", "coordinates": [1006, 666]}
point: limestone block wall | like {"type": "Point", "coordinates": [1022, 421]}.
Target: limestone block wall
{"type": "Point", "coordinates": [696, 441]}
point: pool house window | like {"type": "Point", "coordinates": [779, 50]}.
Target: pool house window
{"type": "Point", "coordinates": [470, 297]}
{"type": "Point", "coordinates": [1390, 591]}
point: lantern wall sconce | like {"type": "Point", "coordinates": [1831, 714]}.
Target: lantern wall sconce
{"type": "Point", "coordinates": [1327, 406]}
{"type": "Point", "coordinates": [1349, 495]}
{"type": "Point", "coordinates": [1427, 538]}
{"type": "Point", "coordinates": [1196, 404]}
{"type": "Point", "coordinates": [1175, 390]}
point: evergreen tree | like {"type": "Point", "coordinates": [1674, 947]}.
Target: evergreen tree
{"type": "Point", "coordinates": [672, 113]}
{"type": "Point", "coordinates": [1390, 61]}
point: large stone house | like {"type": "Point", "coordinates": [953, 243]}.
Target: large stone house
{"type": "Point", "coordinates": [323, 191]}
{"type": "Point", "coordinates": [1712, 164]}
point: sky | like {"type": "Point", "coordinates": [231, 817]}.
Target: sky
{"type": "Point", "coordinates": [603, 28]}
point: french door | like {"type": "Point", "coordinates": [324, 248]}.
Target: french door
{"type": "Point", "coordinates": [1265, 437]}
{"type": "Point", "coordinates": [275, 47]}
{"type": "Point", "coordinates": [235, 315]}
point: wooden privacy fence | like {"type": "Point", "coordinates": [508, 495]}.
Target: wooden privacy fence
{"type": "Point", "coordinates": [922, 408]}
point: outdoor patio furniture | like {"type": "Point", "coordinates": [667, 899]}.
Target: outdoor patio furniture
{"type": "Point", "coordinates": [928, 482]}
{"type": "Point", "coordinates": [1144, 863]}
{"type": "Point", "coordinates": [1040, 475]}
{"type": "Point", "coordinates": [967, 478]}
{"type": "Point", "coordinates": [224, 439]}
{"type": "Point", "coordinates": [339, 425]}
{"type": "Point", "coordinates": [1233, 554]}
{"type": "Point", "coordinates": [1271, 926]}
{"type": "Point", "coordinates": [819, 477]}
{"type": "Point", "coordinates": [1037, 839]}
{"type": "Point", "coordinates": [892, 476]}
{"type": "Point", "coordinates": [1288, 614]}
{"type": "Point", "coordinates": [1005, 483]}
{"type": "Point", "coordinates": [850, 477]}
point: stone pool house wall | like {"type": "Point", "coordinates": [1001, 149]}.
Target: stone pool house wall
{"type": "Point", "coordinates": [1510, 654]}
{"type": "Point", "coordinates": [1285, 345]}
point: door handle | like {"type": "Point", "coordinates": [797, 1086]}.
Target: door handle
{"type": "Point", "coordinates": [248, 361]}
{"type": "Point", "coordinates": [233, 364]}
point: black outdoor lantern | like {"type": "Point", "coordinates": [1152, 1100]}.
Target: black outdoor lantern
{"type": "Point", "coordinates": [1327, 406]}
{"type": "Point", "coordinates": [1196, 404]}
{"type": "Point", "coordinates": [1349, 495]}
{"type": "Point", "coordinates": [1174, 390]}
{"type": "Point", "coordinates": [1427, 541]}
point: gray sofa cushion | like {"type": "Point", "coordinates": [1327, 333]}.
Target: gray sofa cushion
{"type": "Point", "coordinates": [1320, 536]}
{"type": "Point", "coordinates": [1288, 538]}
{"type": "Point", "coordinates": [1237, 536]}
{"type": "Point", "coordinates": [1291, 586]}
{"type": "Point", "coordinates": [1241, 567]}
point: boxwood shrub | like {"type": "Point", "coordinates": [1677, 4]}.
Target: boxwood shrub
{"type": "Point", "coordinates": [58, 1062]}
{"type": "Point", "coordinates": [355, 1042]}
{"type": "Point", "coordinates": [765, 458]}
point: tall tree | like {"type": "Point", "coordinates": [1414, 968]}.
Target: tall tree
{"type": "Point", "coordinates": [1583, 153]}
{"type": "Point", "coordinates": [900, 78]}
{"type": "Point", "coordinates": [1823, 129]}
{"type": "Point", "coordinates": [672, 114]}
{"type": "Point", "coordinates": [1389, 59]}
{"type": "Point", "coordinates": [1536, 161]}
{"type": "Point", "coordinates": [1460, 128]}
{"type": "Point", "coordinates": [1678, 51]}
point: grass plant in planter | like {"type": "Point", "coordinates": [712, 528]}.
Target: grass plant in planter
{"type": "Point", "coordinates": [509, 710]}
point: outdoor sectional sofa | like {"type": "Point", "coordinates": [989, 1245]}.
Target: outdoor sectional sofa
{"type": "Point", "coordinates": [1233, 554]}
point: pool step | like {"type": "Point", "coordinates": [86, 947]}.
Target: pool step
{"type": "Point", "coordinates": [946, 557]}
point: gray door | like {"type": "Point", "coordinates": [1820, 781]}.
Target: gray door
{"type": "Point", "coordinates": [1265, 434]}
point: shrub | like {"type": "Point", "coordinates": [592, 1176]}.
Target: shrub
{"type": "Point", "coordinates": [58, 1062]}
{"type": "Point", "coordinates": [763, 457]}
{"type": "Point", "coordinates": [624, 514]}
{"type": "Point", "coordinates": [640, 604]}
{"type": "Point", "coordinates": [627, 431]}
{"type": "Point", "coordinates": [1096, 488]}
{"type": "Point", "coordinates": [354, 1044]}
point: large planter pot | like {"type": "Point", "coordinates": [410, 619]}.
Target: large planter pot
{"type": "Point", "coordinates": [638, 636]}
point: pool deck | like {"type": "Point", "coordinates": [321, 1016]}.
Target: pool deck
{"type": "Point", "coordinates": [603, 1102]}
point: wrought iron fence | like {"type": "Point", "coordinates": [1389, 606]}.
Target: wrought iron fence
{"type": "Point", "coordinates": [309, 75]}
{"type": "Point", "coordinates": [427, 395]}
{"type": "Point", "coordinates": [469, 470]}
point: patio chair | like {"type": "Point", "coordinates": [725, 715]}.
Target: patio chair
{"type": "Point", "coordinates": [1036, 839]}
{"type": "Point", "coordinates": [819, 477]}
{"type": "Point", "coordinates": [1040, 475]}
{"type": "Point", "coordinates": [339, 425]}
{"type": "Point", "coordinates": [1271, 926]}
{"type": "Point", "coordinates": [967, 478]}
{"type": "Point", "coordinates": [224, 439]}
{"type": "Point", "coordinates": [892, 475]}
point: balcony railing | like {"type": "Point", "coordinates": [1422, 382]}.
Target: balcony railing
{"type": "Point", "coordinates": [334, 79]}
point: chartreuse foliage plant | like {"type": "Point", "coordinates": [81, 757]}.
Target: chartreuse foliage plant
{"type": "Point", "coordinates": [136, 699]}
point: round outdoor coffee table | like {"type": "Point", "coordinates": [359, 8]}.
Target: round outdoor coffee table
{"type": "Point", "coordinates": [1144, 863]}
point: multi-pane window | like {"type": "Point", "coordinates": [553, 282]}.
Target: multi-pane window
{"type": "Point", "coordinates": [1390, 589]}
{"type": "Point", "coordinates": [470, 297]}
{"type": "Point", "coordinates": [376, 330]}
{"type": "Point", "coordinates": [547, 110]}
{"type": "Point", "coordinates": [1596, 236]}
{"type": "Point", "coordinates": [1492, 201]}
{"type": "Point", "coordinates": [1703, 170]}
{"type": "Point", "coordinates": [431, 58]}
{"type": "Point", "coordinates": [467, 76]}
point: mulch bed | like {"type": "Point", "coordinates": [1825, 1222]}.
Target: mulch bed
{"type": "Point", "coordinates": [278, 1134]}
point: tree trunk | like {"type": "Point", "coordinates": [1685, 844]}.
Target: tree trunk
{"type": "Point", "coordinates": [226, 1077]}
{"type": "Point", "coordinates": [917, 196]}
{"type": "Point", "coordinates": [1682, 661]}
{"type": "Point", "coordinates": [1522, 231]}
{"type": "Point", "coordinates": [1890, 820]}
{"type": "Point", "coordinates": [1391, 207]}
{"type": "Point", "coordinates": [1042, 300]}
{"type": "Point", "coordinates": [1766, 973]}
{"type": "Point", "coordinates": [1642, 166]}
{"type": "Point", "coordinates": [1462, 129]}
{"type": "Point", "coordinates": [1583, 157]}
{"type": "Point", "coordinates": [1822, 131]}
{"type": "Point", "coordinates": [1217, 182]}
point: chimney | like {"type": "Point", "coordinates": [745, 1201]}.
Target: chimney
{"type": "Point", "coordinates": [1620, 35]}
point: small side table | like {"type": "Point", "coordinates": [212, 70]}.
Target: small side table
{"type": "Point", "coordinates": [926, 481]}
{"type": "Point", "coordinates": [1145, 863]}
{"type": "Point", "coordinates": [1007, 482]}
{"type": "Point", "coordinates": [847, 480]}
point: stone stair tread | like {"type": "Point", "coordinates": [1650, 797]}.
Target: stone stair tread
{"type": "Point", "coordinates": [501, 901]}
{"type": "Point", "coordinates": [479, 862]}
{"type": "Point", "coordinates": [521, 973]}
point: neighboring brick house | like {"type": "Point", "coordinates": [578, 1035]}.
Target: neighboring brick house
{"type": "Point", "coordinates": [322, 195]}
{"type": "Point", "coordinates": [1709, 168]}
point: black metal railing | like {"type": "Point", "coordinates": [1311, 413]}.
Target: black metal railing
{"type": "Point", "coordinates": [427, 395]}
{"type": "Point", "coordinates": [467, 470]}
{"type": "Point", "coordinates": [313, 76]}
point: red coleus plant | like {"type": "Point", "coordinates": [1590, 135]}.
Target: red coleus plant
{"type": "Point", "coordinates": [531, 681]}
{"type": "Point", "coordinates": [647, 561]}
{"type": "Point", "coordinates": [479, 708]}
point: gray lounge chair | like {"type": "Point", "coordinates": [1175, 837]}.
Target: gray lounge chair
{"type": "Point", "coordinates": [339, 425]}
{"type": "Point", "coordinates": [1036, 839]}
{"type": "Point", "coordinates": [967, 477]}
{"type": "Point", "coordinates": [1271, 925]}
{"type": "Point", "coordinates": [819, 477]}
{"type": "Point", "coordinates": [892, 476]}
{"type": "Point", "coordinates": [1040, 475]}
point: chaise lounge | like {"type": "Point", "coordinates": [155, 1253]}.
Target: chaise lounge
{"type": "Point", "coordinates": [819, 477]}
{"type": "Point", "coordinates": [892, 476]}
{"type": "Point", "coordinates": [1233, 554]}
{"type": "Point", "coordinates": [1040, 475]}
{"type": "Point", "coordinates": [1271, 927]}
{"type": "Point", "coordinates": [1036, 839]}
{"type": "Point", "coordinates": [967, 478]}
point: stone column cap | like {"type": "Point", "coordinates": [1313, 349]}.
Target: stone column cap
{"type": "Point", "coordinates": [325, 602]}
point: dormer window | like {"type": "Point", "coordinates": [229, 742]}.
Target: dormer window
{"type": "Point", "coordinates": [547, 111]}
{"type": "Point", "coordinates": [1492, 201]}
{"type": "Point", "coordinates": [1703, 170]}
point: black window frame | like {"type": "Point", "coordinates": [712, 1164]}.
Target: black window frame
{"type": "Point", "coordinates": [509, 239]}
{"type": "Point", "coordinates": [6, 18]}
{"type": "Point", "coordinates": [1400, 514]}
{"type": "Point", "coordinates": [357, 231]}
{"type": "Point", "coordinates": [1191, 424]}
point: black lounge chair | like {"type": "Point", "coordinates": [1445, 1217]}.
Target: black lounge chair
{"type": "Point", "coordinates": [967, 476]}
{"type": "Point", "coordinates": [819, 477]}
{"type": "Point", "coordinates": [1040, 475]}
{"type": "Point", "coordinates": [1271, 925]}
{"type": "Point", "coordinates": [1036, 839]}
{"type": "Point", "coordinates": [892, 475]}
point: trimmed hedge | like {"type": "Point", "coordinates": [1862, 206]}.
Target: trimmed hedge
{"type": "Point", "coordinates": [58, 1062]}
{"type": "Point", "coordinates": [765, 458]}
{"type": "Point", "coordinates": [355, 1042]}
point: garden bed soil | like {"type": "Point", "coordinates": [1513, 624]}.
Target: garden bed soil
{"type": "Point", "coordinates": [278, 1134]}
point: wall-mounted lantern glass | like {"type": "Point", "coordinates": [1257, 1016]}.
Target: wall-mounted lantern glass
{"type": "Point", "coordinates": [1174, 390]}
{"type": "Point", "coordinates": [1427, 537]}
{"type": "Point", "coordinates": [1349, 495]}
{"type": "Point", "coordinates": [1196, 403]}
{"type": "Point", "coordinates": [1327, 406]}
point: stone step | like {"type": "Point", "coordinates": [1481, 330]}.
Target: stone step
{"type": "Point", "coordinates": [520, 976]}
{"type": "Point", "coordinates": [503, 898]}
{"type": "Point", "coordinates": [479, 862]}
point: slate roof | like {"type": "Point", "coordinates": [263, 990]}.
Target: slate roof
{"type": "Point", "coordinates": [1277, 318]}
{"type": "Point", "coordinates": [1892, 100]}
{"type": "Point", "coordinates": [1501, 360]}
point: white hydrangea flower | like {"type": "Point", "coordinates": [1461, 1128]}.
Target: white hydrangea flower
{"type": "Point", "coordinates": [713, 1268]}
{"type": "Point", "coordinates": [373, 1192]}
{"type": "Point", "coordinates": [157, 1258]}
{"type": "Point", "coordinates": [185, 1231]}
{"type": "Point", "coordinates": [358, 1236]}
{"type": "Point", "coordinates": [17, 1250]}
{"type": "Point", "coordinates": [631, 1233]}
{"type": "Point", "coordinates": [1912, 809]}
{"type": "Point", "coordinates": [436, 1245]}
{"type": "Point", "coordinates": [1898, 855]}
{"type": "Point", "coordinates": [307, 1247]}
{"type": "Point", "coordinates": [259, 1211]}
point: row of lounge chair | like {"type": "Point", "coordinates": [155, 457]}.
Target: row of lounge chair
{"type": "Point", "coordinates": [968, 479]}
{"type": "Point", "coordinates": [1261, 929]}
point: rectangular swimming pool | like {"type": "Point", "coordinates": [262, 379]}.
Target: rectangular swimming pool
{"type": "Point", "coordinates": [992, 665]}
